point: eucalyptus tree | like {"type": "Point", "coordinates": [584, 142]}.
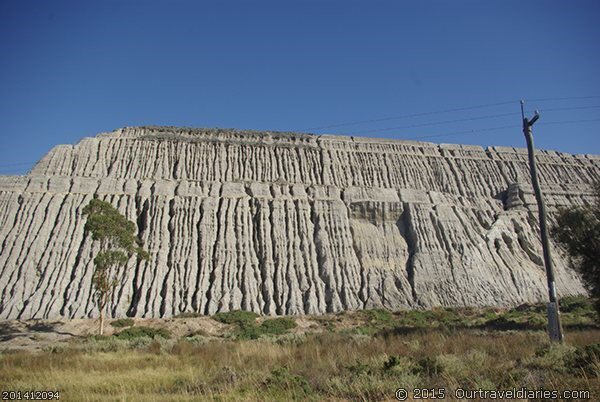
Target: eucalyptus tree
{"type": "Point", "coordinates": [118, 244]}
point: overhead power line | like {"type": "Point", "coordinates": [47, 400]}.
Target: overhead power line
{"type": "Point", "coordinates": [568, 122]}
{"type": "Point", "coordinates": [412, 115]}
{"type": "Point", "coordinates": [561, 99]}
{"type": "Point", "coordinates": [435, 123]}
{"type": "Point", "coordinates": [15, 166]}
{"type": "Point", "coordinates": [568, 108]}
{"type": "Point", "coordinates": [407, 116]}
{"type": "Point", "coordinates": [463, 120]}
{"type": "Point", "coordinates": [486, 129]}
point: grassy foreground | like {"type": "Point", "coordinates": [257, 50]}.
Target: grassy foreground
{"type": "Point", "coordinates": [351, 356]}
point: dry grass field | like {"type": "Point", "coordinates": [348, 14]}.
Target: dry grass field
{"type": "Point", "coordinates": [349, 356]}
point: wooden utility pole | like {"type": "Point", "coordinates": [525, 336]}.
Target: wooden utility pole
{"type": "Point", "coordinates": [554, 325]}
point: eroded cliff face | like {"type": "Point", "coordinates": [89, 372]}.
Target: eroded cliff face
{"type": "Point", "coordinates": [284, 224]}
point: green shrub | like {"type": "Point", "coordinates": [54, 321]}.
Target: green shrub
{"type": "Point", "coordinates": [399, 366]}
{"type": "Point", "coordinates": [244, 320]}
{"type": "Point", "coordinates": [417, 318]}
{"type": "Point", "coordinates": [141, 332]}
{"type": "Point", "coordinates": [281, 378]}
{"type": "Point", "coordinates": [122, 322]}
{"type": "Point", "coordinates": [391, 362]}
{"type": "Point", "coordinates": [429, 366]}
{"type": "Point", "coordinates": [236, 317]}
{"type": "Point", "coordinates": [587, 358]}
{"type": "Point", "coordinates": [277, 326]}
{"type": "Point", "coordinates": [379, 316]}
{"type": "Point", "coordinates": [579, 304]}
{"type": "Point", "coordinates": [247, 330]}
{"type": "Point", "coordinates": [590, 352]}
{"type": "Point", "coordinates": [555, 357]}
{"type": "Point", "coordinates": [360, 368]}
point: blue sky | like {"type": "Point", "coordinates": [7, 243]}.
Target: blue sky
{"type": "Point", "coordinates": [74, 69]}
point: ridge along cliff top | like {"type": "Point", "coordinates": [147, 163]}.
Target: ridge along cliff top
{"type": "Point", "coordinates": [281, 138]}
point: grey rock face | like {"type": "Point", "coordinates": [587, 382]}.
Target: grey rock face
{"type": "Point", "coordinates": [285, 224]}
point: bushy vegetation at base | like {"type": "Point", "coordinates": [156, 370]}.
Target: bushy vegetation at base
{"type": "Point", "coordinates": [363, 355]}
{"type": "Point", "coordinates": [238, 317]}
{"type": "Point", "coordinates": [577, 312]}
{"type": "Point", "coordinates": [143, 332]}
{"type": "Point", "coordinates": [277, 326]}
{"type": "Point", "coordinates": [122, 323]}
{"type": "Point", "coordinates": [245, 321]}
{"type": "Point", "coordinates": [319, 366]}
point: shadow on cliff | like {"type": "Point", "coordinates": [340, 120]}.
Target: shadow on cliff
{"type": "Point", "coordinates": [48, 327]}
{"type": "Point", "coordinates": [13, 329]}
{"type": "Point", "coordinates": [8, 330]}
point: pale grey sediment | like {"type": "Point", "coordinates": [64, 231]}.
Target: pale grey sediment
{"type": "Point", "coordinates": [283, 223]}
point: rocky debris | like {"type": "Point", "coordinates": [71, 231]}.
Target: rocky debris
{"type": "Point", "coordinates": [284, 223]}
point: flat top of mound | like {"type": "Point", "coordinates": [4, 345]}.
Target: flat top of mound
{"type": "Point", "coordinates": [288, 138]}
{"type": "Point", "coordinates": [267, 136]}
